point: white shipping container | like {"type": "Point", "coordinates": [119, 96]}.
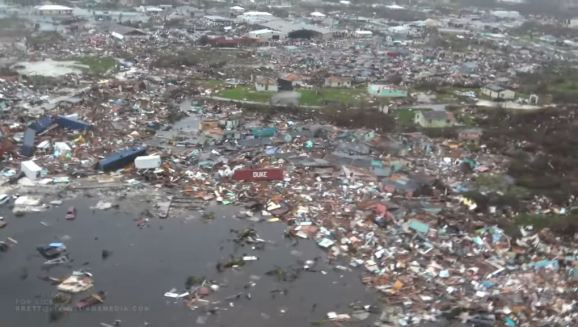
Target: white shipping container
{"type": "Point", "coordinates": [30, 169]}
{"type": "Point", "coordinates": [147, 162]}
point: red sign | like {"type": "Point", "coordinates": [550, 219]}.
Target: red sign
{"type": "Point", "coordinates": [265, 174]}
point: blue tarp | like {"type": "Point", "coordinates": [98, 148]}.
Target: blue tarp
{"type": "Point", "coordinates": [42, 124]}
{"type": "Point", "coordinates": [509, 322]}
{"type": "Point", "coordinates": [72, 123]}
{"type": "Point", "coordinates": [264, 132]}
{"type": "Point", "coordinates": [120, 159]}
{"type": "Point", "coordinates": [544, 264]}
{"type": "Point", "coordinates": [488, 284]}
{"type": "Point", "coordinates": [271, 150]}
{"type": "Point", "coordinates": [377, 163]}
{"type": "Point", "coordinates": [255, 142]}
{"type": "Point", "coordinates": [418, 226]}
{"type": "Point", "coordinates": [28, 140]}
{"type": "Point", "coordinates": [381, 172]}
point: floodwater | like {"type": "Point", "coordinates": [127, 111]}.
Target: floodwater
{"type": "Point", "coordinates": [186, 129]}
{"type": "Point", "coordinates": [49, 68]}
{"type": "Point", "coordinates": [147, 262]}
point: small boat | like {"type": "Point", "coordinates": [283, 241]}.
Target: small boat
{"type": "Point", "coordinates": [70, 213]}
{"type": "Point", "coordinates": [7, 244]}
{"type": "Point", "coordinates": [57, 261]}
{"type": "Point", "coordinates": [52, 250]}
{"type": "Point", "coordinates": [54, 280]}
{"type": "Point", "coordinates": [62, 298]}
{"type": "Point", "coordinates": [4, 198]}
{"type": "Point", "coordinates": [93, 299]}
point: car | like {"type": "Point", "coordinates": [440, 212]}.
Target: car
{"type": "Point", "coordinates": [70, 213]}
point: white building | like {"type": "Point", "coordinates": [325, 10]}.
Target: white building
{"type": "Point", "coordinates": [316, 15]}
{"type": "Point", "coordinates": [266, 84]}
{"type": "Point", "coordinates": [264, 34]}
{"type": "Point", "coordinates": [360, 33]}
{"type": "Point", "coordinates": [249, 15]}
{"type": "Point", "coordinates": [237, 10]}
{"type": "Point", "coordinates": [496, 92]}
{"type": "Point", "coordinates": [336, 81]}
{"type": "Point", "coordinates": [53, 10]}
{"type": "Point", "coordinates": [506, 14]}
{"type": "Point", "coordinates": [394, 7]}
{"type": "Point", "coordinates": [150, 9]}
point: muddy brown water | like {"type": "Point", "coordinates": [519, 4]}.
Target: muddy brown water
{"type": "Point", "coordinates": [145, 263]}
